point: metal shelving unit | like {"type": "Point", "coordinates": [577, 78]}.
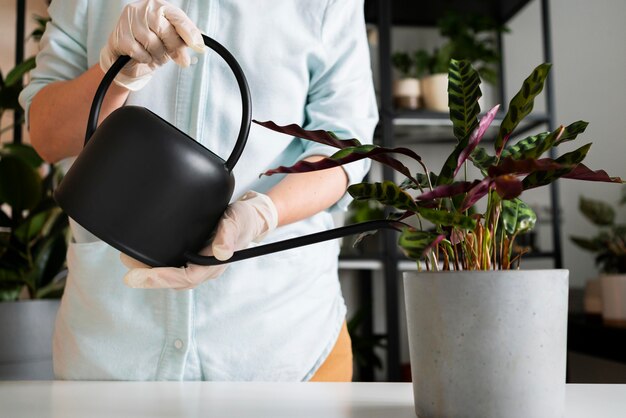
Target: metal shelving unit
{"type": "Point", "coordinates": [386, 14]}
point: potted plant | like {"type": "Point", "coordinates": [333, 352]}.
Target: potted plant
{"type": "Point", "coordinates": [406, 88]}
{"type": "Point", "coordinates": [609, 245]}
{"type": "Point", "coordinates": [33, 240]}
{"type": "Point", "coordinates": [486, 338]}
{"type": "Point", "coordinates": [469, 37]}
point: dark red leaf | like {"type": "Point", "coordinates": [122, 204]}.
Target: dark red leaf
{"type": "Point", "coordinates": [448, 190]}
{"type": "Point", "coordinates": [476, 193]}
{"type": "Point", "coordinates": [511, 166]}
{"type": "Point", "coordinates": [582, 172]}
{"type": "Point", "coordinates": [475, 137]}
{"type": "Point", "coordinates": [508, 186]}
{"type": "Point", "coordinates": [319, 136]}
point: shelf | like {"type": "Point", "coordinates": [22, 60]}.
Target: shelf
{"type": "Point", "coordinates": [429, 127]}
{"type": "Point", "coordinates": [426, 13]}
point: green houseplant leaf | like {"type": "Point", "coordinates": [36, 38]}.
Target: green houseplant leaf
{"type": "Point", "coordinates": [521, 104]}
{"type": "Point", "coordinates": [598, 212]}
{"type": "Point", "coordinates": [463, 94]}
{"type": "Point", "coordinates": [517, 216]}
{"type": "Point", "coordinates": [20, 185]}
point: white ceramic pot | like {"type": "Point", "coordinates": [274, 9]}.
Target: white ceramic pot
{"type": "Point", "coordinates": [406, 93]}
{"type": "Point", "coordinates": [614, 298]}
{"type": "Point", "coordinates": [488, 344]}
{"type": "Point", "coordinates": [435, 92]}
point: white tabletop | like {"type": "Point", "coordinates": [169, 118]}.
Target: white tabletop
{"type": "Point", "coordinates": [235, 400]}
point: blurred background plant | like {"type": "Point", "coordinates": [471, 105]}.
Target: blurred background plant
{"type": "Point", "coordinates": [609, 244]}
{"type": "Point", "coordinates": [33, 229]}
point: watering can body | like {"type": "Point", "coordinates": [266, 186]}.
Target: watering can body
{"type": "Point", "coordinates": [146, 188]}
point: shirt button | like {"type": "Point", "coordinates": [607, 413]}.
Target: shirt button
{"type": "Point", "coordinates": [194, 60]}
{"type": "Point", "coordinates": [178, 344]}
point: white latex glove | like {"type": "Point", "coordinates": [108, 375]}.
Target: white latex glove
{"type": "Point", "coordinates": [150, 32]}
{"type": "Point", "coordinates": [248, 219]}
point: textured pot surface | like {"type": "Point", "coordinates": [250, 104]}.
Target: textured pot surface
{"type": "Point", "coordinates": [488, 344]}
{"type": "Point", "coordinates": [26, 329]}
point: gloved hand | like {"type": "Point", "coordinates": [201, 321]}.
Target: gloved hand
{"type": "Point", "coordinates": [151, 32]}
{"type": "Point", "coordinates": [248, 219]}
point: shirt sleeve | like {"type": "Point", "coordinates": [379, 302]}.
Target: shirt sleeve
{"type": "Point", "coordinates": [63, 53]}
{"type": "Point", "coordinates": [341, 95]}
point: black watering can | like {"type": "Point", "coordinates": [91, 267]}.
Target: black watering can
{"type": "Point", "coordinates": [154, 193]}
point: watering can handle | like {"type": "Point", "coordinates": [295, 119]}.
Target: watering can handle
{"type": "Point", "coordinates": [295, 242]}
{"type": "Point", "coordinates": [246, 114]}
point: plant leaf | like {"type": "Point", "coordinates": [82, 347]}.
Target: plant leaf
{"type": "Point", "coordinates": [517, 216]}
{"type": "Point", "coordinates": [587, 244]}
{"type": "Point", "coordinates": [572, 131]}
{"type": "Point", "coordinates": [415, 244]}
{"type": "Point", "coordinates": [422, 181]}
{"type": "Point", "coordinates": [533, 146]}
{"type": "Point", "coordinates": [521, 104]}
{"type": "Point", "coordinates": [16, 74]}
{"type": "Point", "coordinates": [448, 190]}
{"type": "Point", "coordinates": [568, 160]}
{"type": "Point", "coordinates": [463, 94]}
{"type": "Point", "coordinates": [24, 152]}
{"type": "Point", "coordinates": [353, 151]}
{"type": "Point", "coordinates": [387, 193]}
{"type": "Point", "coordinates": [31, 227]}
{"type": "Point", "coordinates": [476, 193]}
{"type": "Point", "coordinates": [598, 212]}
{"type": "Point", "coordinates": [475, 137]}
{"type": "Point", "coordinates": [20, 185]}
{"type": "Point", "coordinates": [445, 217]}
{"type": "Point", "coordinates": [482, 160]}
{"type": "Point", "coordinates": [508, 186]}
{"type": "Point", "coordinates": [510, 166]}
{"type": "Point", "coordinates": [582, 172]}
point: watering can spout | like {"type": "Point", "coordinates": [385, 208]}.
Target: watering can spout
{"type": "Point", "coordinates": [295, 242]}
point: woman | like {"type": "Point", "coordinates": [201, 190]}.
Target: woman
{"type": "Point", "coordinates": [278, 317]}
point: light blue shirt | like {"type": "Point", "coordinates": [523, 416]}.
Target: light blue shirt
{"type": "Point", "coordinates": [270, 318]}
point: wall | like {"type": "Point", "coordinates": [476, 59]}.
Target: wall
{"type": "Point", "coordinates": [589, 57]}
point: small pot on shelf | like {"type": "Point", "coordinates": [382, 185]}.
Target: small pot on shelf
{"type": "Point", "coordinates": [407, 93]}
{"type": "Point", "coordinates": [613, 288]}
{"type": "Point", "coordinates": [435, 92]}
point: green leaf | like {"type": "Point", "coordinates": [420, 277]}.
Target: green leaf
{"type": "Point", "coordinates": [598, 212]}
{"type": "Point", "coordinates": [16, 74]}
{"type": "Point", "coordinates": [541, 178]}
{"type": "Point", "coordinates": [446, 175]}
{"type": "Point", "coordinates": [482, 160]}
{"type": "Point", "coordinates": [31, 227]}
{"type": "Point", "coordinates": [533, 146]}
{"type": "Point", "coordinates": [24, 152]}
{"type": "Point", "coordinates": [423, 182]}
{"type": "Point", "coordinates": [587, 244]}
{"type": "Point", "coordinates": [572, 131]}
{"type": "Point", "coordinates": [415, 243]}
{"type": "Point", "coordinates": [521, 104]}
{"type": "Point", "coordinates": [20, 184]}
{"type": "Point", "coordinates": [387, 193]}
{"type": "Point", "coordinates": [463, 94]}
{"type": "Point", "coordinates": [447, 218]}
{"type": "Point", "coordinates": [517, 216]}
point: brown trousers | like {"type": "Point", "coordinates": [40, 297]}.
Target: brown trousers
{"type": "Point", "coordinates": [338, 365]}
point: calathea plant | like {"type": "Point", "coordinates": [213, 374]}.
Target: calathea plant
{"type": "Point", "coordinates": [446, 232]}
